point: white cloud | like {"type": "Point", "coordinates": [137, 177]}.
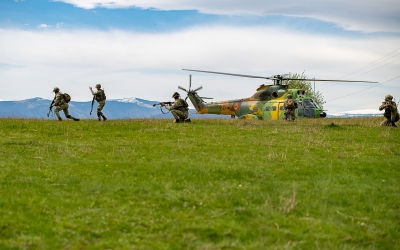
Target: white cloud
{"type": "Point", "coordinates": [361, 15]}
{"type": "Point", "coordinates": [43, 26]}
{"type": "Point", "coordinates": [149, 66]}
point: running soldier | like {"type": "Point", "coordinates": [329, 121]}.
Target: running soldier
{"type": "Point", "coordinates": [61, 104]}
{"type": "Point", "coordinates": [179, 109]}
{"type": "Point", "coordinates": [391, 113]}
{"type": "Point", "coordinates": [290, 107]}
{"type": "Point", "coordinates": [100, 97]}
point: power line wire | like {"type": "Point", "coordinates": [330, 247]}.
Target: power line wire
{"type": "Point", "coordinates": [368, 66]}
{"type": "Point", "coordinates": [363, 90]}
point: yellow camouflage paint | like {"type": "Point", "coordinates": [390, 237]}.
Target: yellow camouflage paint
{"type": "Point", "coordinates": [254, 106]}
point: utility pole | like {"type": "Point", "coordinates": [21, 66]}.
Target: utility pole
{"type": "Point", "coordinates": [314, 85]}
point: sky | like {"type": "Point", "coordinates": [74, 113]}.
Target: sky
{"type": "Point", "coordinates": [137, 48]}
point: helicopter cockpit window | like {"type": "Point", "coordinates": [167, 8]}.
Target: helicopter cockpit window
{"type": "Point", "coordinates": [300, 92]}
{"type": "Point", "coordinates": [315, 104]}
{"type": "Point", "coordinates": [309, 103]}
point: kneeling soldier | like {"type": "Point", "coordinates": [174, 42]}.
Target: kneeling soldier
{"type": "Point", "coordinates": [391, 113]}
{"type": "Point", "coordinates": [61, 104]}
{"type": "Point", "coordinates": [179, 109]}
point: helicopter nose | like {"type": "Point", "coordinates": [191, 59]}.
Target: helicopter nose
{"type": "Point", "coordinates": [323, 114]}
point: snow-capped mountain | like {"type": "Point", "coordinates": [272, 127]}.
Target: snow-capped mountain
{"type": "Point", "coordinates": [127, 108]}
{"type": "Point", "coordinates": [356, 113]}
{"type": "Point", "coordinates": [114, 109]}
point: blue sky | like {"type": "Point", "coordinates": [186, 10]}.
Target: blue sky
{"type": "Point", "coordinates": [137, 48]}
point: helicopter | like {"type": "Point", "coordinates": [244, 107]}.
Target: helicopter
{"type": "Point", "coordinates": [266, 104]}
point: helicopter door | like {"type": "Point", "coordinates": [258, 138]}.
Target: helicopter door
{"type": "Point", "coordinates": [281, 110]}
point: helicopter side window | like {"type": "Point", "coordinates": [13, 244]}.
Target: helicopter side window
{"type": "Point", "coordinates": [281, 107]}
{"type": "Point", "coordinates": [273, 108]}
{"type": "Point", "coordinates": [268, 108]}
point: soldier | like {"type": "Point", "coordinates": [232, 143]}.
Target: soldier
{"type": "Point", "coordinates": [61, 104]}
{"type": "Point", "coordinates": [290, 107]}
{"type": "Point", "coordinates": [100, 97]}
{"type": "Point", "coordinates": [391, 113]}
{"type": "Point", "coordinates": [179, 109]}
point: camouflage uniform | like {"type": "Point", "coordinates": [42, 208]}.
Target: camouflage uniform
{"type": "Point", "coordinates": [100, 97]}
{"type": "Point", "coordinates": [290, 108]}
{"type": "Point", "coordinates": [391, 113]}
{"type": "Point", "coordinates": [179, 109]}
{"type": "Point", "coordinates": [60, 104]}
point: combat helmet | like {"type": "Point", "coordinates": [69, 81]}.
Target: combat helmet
{"type": "Point", "coordinates": [98, 85]}
{"type": "Point", "coordinates": [388, 97]}
{"type": "Point", "coordinates": [56, 89]}
{"type": "Point", "coordinates": [289, 96]}
{"type": "Point", "coordinates": [175, 94]}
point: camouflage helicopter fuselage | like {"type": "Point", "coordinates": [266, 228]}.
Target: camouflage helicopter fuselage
{"type": "Point", "coordinates": [266, 104]}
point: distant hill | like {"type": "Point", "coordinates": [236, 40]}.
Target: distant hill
{"type": "Point", "coordinates": [128, 108]}
{"type": "Point", "coordinates": [355, 113]}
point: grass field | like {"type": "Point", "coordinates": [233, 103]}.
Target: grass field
{"type": "Point", "coordinates": [210, 184]}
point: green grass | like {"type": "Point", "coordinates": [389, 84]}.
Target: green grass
{"type": "Point", "coordinates": [211, 184]}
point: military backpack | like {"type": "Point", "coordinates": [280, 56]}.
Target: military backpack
{"type": "Point", "coordinates": [101, 96]}
{"type": "Point", "coordinates": [67, 97]}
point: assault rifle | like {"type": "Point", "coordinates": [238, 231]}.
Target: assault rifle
{"type": "Point", "coordinates": [166, 103]}
{"type": "Point", "coordinates": [92, 105]}
{"type": "Point", "coordinates": [51, 106]}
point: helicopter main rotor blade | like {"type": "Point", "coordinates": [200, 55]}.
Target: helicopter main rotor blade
{"type": "Point", "coordinates": [273, 77]}
{"type": "Point", "coordinates": [230, 74]}
{"type": "Point", "coordinates": [323, 80]}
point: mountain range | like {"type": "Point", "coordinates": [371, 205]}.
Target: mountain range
{"type": "Point", "coordinates": [128, 108]}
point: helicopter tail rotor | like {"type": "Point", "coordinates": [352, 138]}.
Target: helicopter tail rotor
{"type": "Point", "coordinates": [179, 87]}
{"type": "Point", "coordinates": [190, 90]}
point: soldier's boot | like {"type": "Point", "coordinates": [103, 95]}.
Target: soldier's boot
{"type": "Point", "coordinates": [394, 125]}
{"type": "Point", "coordinates": [73, 118]}
{"type": "Point", "coordinates": [59, 119]}
{"type": "Point", "coordinates": [99, 118]}
{"type": "Point", "coordinates": [187, 120]}
{"type": "Point", "coordinates": [104, 118]}
{"type": "Point", "coordinates": [176, 121]}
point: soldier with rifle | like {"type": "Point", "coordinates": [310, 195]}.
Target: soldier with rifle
{"type": "Point", "coordinates": [179, 109]}
{"type": "Point", "coordinates": [391, 113]}
{"type": "Point", "coordinates": [290, 108]}
{"type": "Point", "coordinates": [100, 97]}
{"type": "Point", "coordinates": [61, 104]}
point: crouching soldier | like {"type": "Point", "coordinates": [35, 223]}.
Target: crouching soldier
{"type": "Point", "coordinates": [100, 97]}
{"type": "Point", "coordinates": [179, 109]}
{"type": "Point", "coordinates": [61, 103]}
{"type": "Point", "coordinates": [391, 113]}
